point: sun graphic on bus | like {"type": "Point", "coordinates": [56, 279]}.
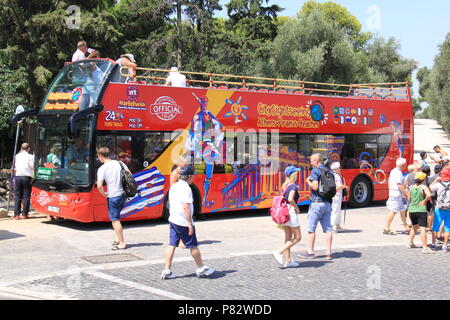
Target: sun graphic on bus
{"type": "Point", "coordinates": [236, 110]}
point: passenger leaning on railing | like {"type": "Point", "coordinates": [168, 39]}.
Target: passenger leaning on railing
{"type": "Point", "coordinates": [127, 60]}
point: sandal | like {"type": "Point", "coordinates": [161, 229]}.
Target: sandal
{"type": "Point", "coordinates": [118, 248]}
{"type": "Point", "coordinates": [388, 232]}
{"type": "Point", "coordinates": [116, 243]}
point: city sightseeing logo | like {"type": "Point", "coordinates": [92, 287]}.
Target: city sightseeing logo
{"type": "Point", "coordinates": [132, 93]}
{"type": "Point", "coordinates": [165, 108]}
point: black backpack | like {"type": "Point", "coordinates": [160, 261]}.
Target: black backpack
{"type": "Point", "coordinates": [327, 185]}
{"type": "Point", "coordinates": [129, 185]}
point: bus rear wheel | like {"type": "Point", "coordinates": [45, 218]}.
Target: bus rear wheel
{"type": "Point", "coordinates": [360, 192]}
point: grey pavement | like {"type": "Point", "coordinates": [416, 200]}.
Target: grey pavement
{"type": "Point", "coordinates": [50, 260]}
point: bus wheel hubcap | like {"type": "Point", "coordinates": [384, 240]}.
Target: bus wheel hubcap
{"type": "Point", "coordinates": [361, 192]}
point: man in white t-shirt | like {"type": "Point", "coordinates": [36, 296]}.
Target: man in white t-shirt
{"type": "Point", "coordinates": [110, 172]}
{"type": "Point", "coordinates": [397, 197]}
{"type": "Point", "coordinates": [175, 79]}
{"type": "Point", "coordinates": [23, 171]}
{"type": "Point", "coordinates": [182, 224]}
{"type": "Point", "coordinates": [82, 49]}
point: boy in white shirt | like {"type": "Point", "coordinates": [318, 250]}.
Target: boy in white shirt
{"type": "Point", "coordinates": [182, 224]}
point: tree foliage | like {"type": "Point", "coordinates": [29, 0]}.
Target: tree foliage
{"type": "Point", "coordinates": [435, 86]}
{"type": "Point", "coordinates": [324, 43]}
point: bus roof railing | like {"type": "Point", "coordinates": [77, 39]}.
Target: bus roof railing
{"type": "Point", "coordinates": [392, 90]}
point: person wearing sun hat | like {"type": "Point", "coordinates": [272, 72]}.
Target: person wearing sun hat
{"type": "Point", "coordinates": [418, 194]}
{"type": "Point", "coordinates": [292, 227]}
{"type": "Point", "coordinates": [129, 65]}
{"type": "Point", "coordinates": [442, 212]}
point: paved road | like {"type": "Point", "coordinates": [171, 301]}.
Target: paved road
{"type": "Point", "coordinates": [47, 260]}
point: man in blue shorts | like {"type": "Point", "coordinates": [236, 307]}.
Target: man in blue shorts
{"type": "Point", "coordinates": [319, 210]}
{"type": "Point", "coordinates": [182, 224]}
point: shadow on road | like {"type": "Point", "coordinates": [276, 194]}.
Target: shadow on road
{"type": "Point", "coordinates": [208, 242]}
{"type": "Point", "coordinates": [351, 231]}
{"type": "Point", "coordinates": [5, 234]}
{"type": "Point", "coordinates": [151, 244]}
{"type": "Point", "coordinates": [213, 216]}
{"type": "Point", "coordinates": [216, 275]}
{"type": "Point", "coordinates": [346, 254]}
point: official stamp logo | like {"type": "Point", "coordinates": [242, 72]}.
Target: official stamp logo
{"type": "Point", "coordinates": [165, 108]}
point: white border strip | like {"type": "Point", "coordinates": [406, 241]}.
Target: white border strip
{"type": "Point", "coordinates": [135, 285]}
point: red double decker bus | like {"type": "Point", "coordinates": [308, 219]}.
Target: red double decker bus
{"type": "Point", "coordinates": [238, 132]}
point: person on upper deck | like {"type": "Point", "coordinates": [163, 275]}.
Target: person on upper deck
{"type": "Point", "coordinates": [175, 79]}
{"type": "Point", "coordinates": [127, 60]}
{"type": "Point", "coordinates": [82, 49]}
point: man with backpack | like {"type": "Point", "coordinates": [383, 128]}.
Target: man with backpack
{"type": "Point", "coordinates": [111, 173]}
{"type": "Point", "coordinates": [323, 189]}
{"type": "Point", "coordinates": [442, 212]}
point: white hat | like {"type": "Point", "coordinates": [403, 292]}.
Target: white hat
{"type": "Point", "coordinates": [129, 56]}
{"type": "Point", "coordinates": [335, 165]}
{"type": "Point", "coordinates": [174, 69]}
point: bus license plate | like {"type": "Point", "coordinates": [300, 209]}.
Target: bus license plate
{"type": "Point", "coordinates": [53, 209]}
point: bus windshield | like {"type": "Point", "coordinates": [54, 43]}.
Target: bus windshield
{"type": "Point", "coordinates": [63, 163]}
{"type": "Point", "coordinates": [77, 86]}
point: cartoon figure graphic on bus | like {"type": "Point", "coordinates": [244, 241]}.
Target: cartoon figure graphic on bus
{"type": "Point", "coordinates": [398, 135]}
{"type": "Point", "coordinates": [205, 142]}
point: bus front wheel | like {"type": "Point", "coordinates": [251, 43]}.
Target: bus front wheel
{"type": "Point", "coordinates": [360, 193]}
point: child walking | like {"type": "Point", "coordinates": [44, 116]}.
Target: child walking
{"type": "Point", "coordinates": [418, 194]}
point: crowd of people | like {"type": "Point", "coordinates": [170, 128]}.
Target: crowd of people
{"type": "Point", "coordinates": [425, 197]}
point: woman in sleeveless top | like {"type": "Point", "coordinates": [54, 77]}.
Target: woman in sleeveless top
{"type": "Point", "coordinates": [292, 227]}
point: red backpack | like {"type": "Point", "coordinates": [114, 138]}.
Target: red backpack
{"type": "Point", "coordinates": [280, 210]}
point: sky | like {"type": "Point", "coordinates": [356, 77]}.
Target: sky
{"type": "Point", "coordinates": [419, 25]}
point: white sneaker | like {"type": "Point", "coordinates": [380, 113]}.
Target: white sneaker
{"type": "Point", "coordinates": [204, 271]}
{"type": "Point", "coordinates": [167, 274]}
{"type": "Point", "coordinates": [292, 264]}
{"type": "Point", "coordinates": [427, 250]}
{"type": "Point", "coordinates": [279, 257]}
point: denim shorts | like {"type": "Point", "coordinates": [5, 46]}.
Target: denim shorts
{"type": "Point", "coordinates": [178, 233]}
{"type": "Point", "coordinates": [319, 212]}
{"type": "Point", "coordinates": [115, 205]}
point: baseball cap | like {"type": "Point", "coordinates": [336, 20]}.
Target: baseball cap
{"type": "Point", "coordinates": [290, 170]}
{"type": "Point", "coordinates": [186, 171]}
{"type": "Point", "coordinates": [420, 176]}
{"type": "Point", "coordinates": [174, 69]}
{"type": "Point", "coordinates": [129, 56]}
{"type": "Point", "coordinates": [445, 175]}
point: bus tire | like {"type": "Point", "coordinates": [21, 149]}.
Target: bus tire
{"type": "Point", "coordinates": [360, 192]}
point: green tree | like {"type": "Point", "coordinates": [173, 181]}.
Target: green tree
{"type": "Point", "coordinates": [435, 86]}
{"type": "Point", "coordinates": [346, 22]}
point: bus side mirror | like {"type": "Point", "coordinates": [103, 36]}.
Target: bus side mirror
{"type": "Point", "coordinates": [73, 120]}
{"type": "Point", "coordinates": [17, 117]}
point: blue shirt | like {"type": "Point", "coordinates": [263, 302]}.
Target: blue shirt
{"type": "Point", "coordinates": [315, 176]}
{"type": "Point", "coordinates": [292, 187]}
